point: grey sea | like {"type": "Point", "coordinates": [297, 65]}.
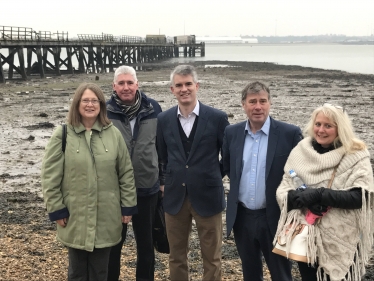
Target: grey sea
{"type": "Point", "coordinates": [350, 58]}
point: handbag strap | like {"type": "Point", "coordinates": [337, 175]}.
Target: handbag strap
{"type": "Point", "coordinates": [332, 177]}
{"type": "Point", "coordinates": [64, 133]}
{"type": "Point", "coordinates": [329, 186]}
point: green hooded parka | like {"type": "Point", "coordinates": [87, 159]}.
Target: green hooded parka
{"type": "Point", "coordinates": [91, 184]}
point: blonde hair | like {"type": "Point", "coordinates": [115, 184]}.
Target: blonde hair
{"type": "Point", "coordinates": [74, 117]}
{"type": "Point", "coordinates": [337, 115]}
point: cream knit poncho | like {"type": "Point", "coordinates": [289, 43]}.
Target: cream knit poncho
{"type": "Point", "coordinates": [343, 238]}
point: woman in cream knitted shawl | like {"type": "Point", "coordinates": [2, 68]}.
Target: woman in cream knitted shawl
{"type": "Point", "coordinates": [339, 245]}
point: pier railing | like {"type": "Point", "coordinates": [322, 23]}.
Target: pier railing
{"type": "Point", "coordinates": [94, 37]}
{"type": "Point", "coordinates": [30, 52]}
{"type": "Point", "coordinates": [17, 33]}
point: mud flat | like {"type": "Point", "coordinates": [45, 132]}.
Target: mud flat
{"type": "Point", "coordinates": [31, 110]}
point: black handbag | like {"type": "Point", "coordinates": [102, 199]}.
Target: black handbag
{"type": "Point", "coordinates": [160, 239]}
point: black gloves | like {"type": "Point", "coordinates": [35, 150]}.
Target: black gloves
{"type": "Point", "coordinates": [318, 209]}
{"type": "Point", "coordinates": [317, 199]}
{"type": "Point", "coordinates": [300, 198]}
{"type": "Point", "coordinates": [309, 196]}
{"type": "Point", "coordinates": [291, 200]}
{"type": "Point", "coordinates": [344, 199]}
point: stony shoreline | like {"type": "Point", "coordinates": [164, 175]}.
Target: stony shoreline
{"type": "Point", "coordinates": [32, 109]}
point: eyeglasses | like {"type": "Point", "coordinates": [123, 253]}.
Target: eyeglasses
{"type": "Point", "coordinates": [336, 106]}
{"type": "Point", "coordinates": [94, 102]}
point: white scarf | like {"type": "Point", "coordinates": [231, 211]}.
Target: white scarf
{"type": "Point", "coordinates": [344, 238]}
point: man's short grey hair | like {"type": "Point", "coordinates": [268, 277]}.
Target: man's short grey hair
{"type": "Point", "coordinates": [254, 88]}
{"type": "Point", "coordinates": [183, 70]}
{"type": "Point", "coordinates": [125, 69]}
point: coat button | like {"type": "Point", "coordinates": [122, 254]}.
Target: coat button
{"type": "Point", "coordinates": [183, 184]}
{"type": "Point", "coordinates": [186, 166]}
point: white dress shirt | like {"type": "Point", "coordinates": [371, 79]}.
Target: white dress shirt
{"type": "Point", "coordinates": [187, 122]}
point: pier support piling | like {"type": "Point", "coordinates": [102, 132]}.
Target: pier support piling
{"type": "Point", "coordinates": [89, 53]}
{"type": "Point", "coordinates": [21, 59]}
{"type": "Point", "coordinates": [2, 77]}
{"type": "Point", "coordinates": [40, 62]}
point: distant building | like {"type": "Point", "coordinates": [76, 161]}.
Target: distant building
{"type": "Point", "coordinates": [155, 39]}
{"type": "Point", "coordinates": [250, 40]}
{"type": "Point", "coordinates": [225, 40]}
{"type": "Point", "coordinates": [185, 39]}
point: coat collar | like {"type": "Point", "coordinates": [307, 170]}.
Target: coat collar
{"type": "Point", "coordinates": [96, 127]}
{"type": "Point", "coordinates": [272, 145]}
{"type": "Point", "coordinates": [240, 148]}
{"type": "Point", "coordinates": [175, 130]}
{"type": "Point", "coordinates": [203, 120]}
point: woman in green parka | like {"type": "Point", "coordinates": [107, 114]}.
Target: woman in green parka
{"type": "Point", "coordinates": [89, 189]}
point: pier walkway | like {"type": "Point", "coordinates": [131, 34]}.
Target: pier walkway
{"type": "Point", "coordinates": [55, 53]}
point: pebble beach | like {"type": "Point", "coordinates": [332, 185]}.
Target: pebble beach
{"type": "Point", "coordinates": [31, 110]}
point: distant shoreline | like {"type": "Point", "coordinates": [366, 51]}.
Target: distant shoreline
{"type": "Point", "coordinates": [296, 42]}
{"type": "Point", "coordinates": [244, 65]}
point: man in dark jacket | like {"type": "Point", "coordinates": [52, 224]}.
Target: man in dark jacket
{"type": "Point", "coordinates": [254, 153]}
{"type": "Point", "coordinates": [135, 115]}
{"type": "Point", "coordinates": [190, 137]}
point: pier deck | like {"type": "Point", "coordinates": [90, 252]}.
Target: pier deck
{"type": "Point", "coordinates": [48, 53]}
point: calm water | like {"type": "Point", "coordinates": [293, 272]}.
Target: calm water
{"type": "Point", "coordinates": [351, 58]}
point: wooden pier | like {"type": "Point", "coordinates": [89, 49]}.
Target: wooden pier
{"type": "Point", "coordinates": [48, 53]}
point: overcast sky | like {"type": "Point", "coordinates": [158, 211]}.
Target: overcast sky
{"type": "Point", "coordinates": [199, 17]}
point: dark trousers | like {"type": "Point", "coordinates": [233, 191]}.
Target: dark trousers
{"type": "Point", "coordinates": [252, 236]}
{"type": "Point", "coordinates": [142, 224]}
{"type": "Point", "coordinates": [307, 272]}
{"type": "Point", "coordinates": [88, 266]}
